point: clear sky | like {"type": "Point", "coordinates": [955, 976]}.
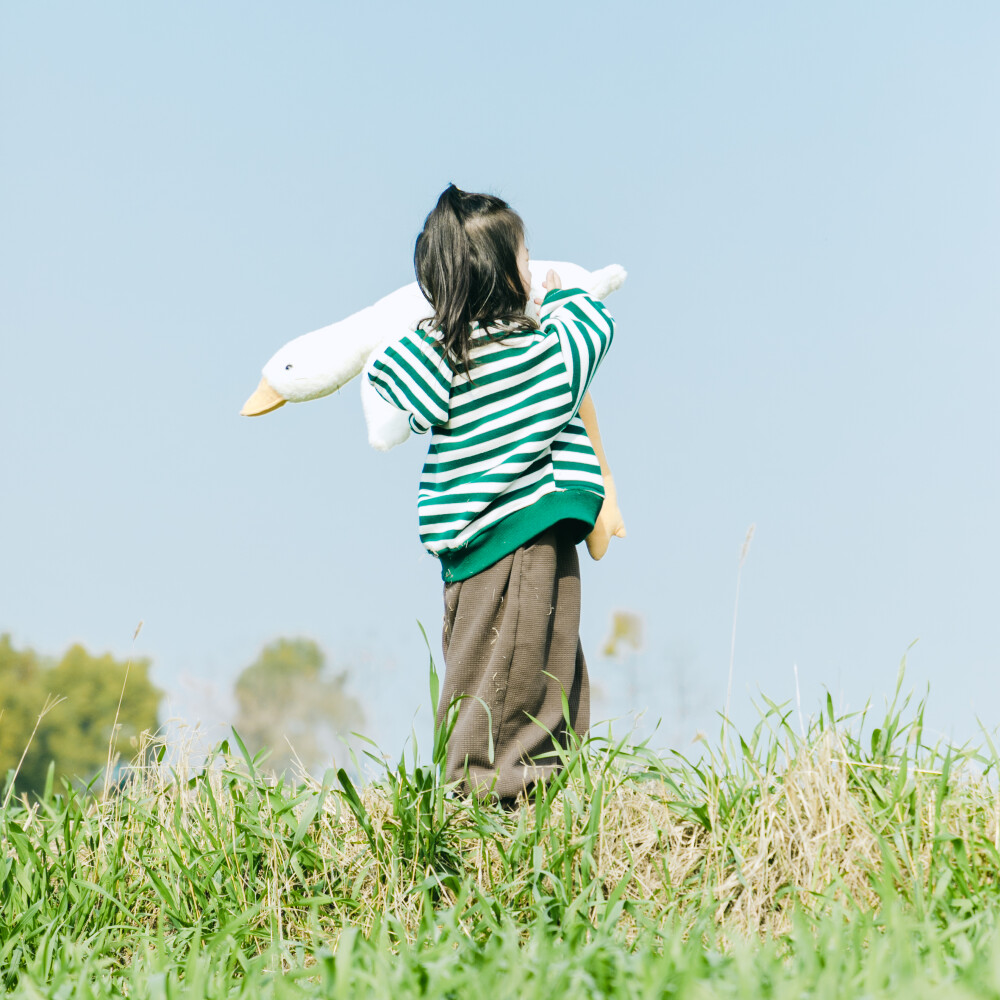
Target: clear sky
{"type": "Point", "coordinates": [807, 200]}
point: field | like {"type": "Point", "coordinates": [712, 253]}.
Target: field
{"type": "Point", "coordinates": [849, 860]}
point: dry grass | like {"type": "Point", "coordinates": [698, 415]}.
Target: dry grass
{"type": "Point", "coordinates": [796, 824]}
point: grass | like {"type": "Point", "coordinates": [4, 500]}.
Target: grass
{"type": "Point", "coordinates": [851, 860]}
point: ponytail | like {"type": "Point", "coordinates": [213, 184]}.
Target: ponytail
{"type": "Point", "coordinates": [465, 259]}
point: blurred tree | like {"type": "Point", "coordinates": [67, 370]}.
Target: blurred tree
{"type": "Point", "coordinates": [78, 732]}
{"type": "Point", "coordinates": [21, 700]}
{"type": "Point", "coordinates": [286, 697]}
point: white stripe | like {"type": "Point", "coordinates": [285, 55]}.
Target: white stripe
{"type": "Point", "coordinates": [563, 403]}
{"type": "Point", "coordinates": [502, 511]}
{"type": "Point", "coordinates": [508, 399]}
{"type": "Point", "coordinates": [594, 315]}
{"type": "Point", "coordinates": [504, 360]}
{"type": "Point", "coordinates": [460, 454]}
{"type": "Point", "coordinates": [581, 477]}
{"type": "Point", "coordinates": [442, 482]}
{"type": "Point", "coordinates": [437, 407]}
{"type": "Point", "coordinates": [459, 507]}
{"type": "Point", "coordinates": [494, 515]}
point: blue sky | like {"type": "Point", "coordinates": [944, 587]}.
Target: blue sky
{"type": "Point", "coordinates": [807, 200]}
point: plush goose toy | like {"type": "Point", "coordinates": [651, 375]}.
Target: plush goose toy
{"type": "Point", "coordinates": [323, 361]}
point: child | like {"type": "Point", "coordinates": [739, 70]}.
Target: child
{"type": "Point", "coordinates": [511, 484]}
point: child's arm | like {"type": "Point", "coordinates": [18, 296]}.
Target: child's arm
{"type": "Point", "coordinates": [584, 329]}
{"type": "Point", "coordinates": [609, 522]}
{"type": "Point", "coordinates": [412, 376]}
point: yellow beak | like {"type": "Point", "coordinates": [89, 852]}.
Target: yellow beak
{"type": "Point", "coordinates": [264, 400]}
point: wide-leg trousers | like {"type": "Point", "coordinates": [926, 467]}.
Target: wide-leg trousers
{"type": "Point", "coordinates": [512, 655]}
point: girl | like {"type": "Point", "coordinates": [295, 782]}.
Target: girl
{"type": "Point", "coordinates": [511, 484]}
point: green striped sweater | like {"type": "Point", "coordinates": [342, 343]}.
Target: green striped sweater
{"type": "Point", "coordinates": [509, 455]}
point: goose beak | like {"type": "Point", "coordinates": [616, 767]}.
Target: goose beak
{"type": "Point", "coordinates": [264, 400]}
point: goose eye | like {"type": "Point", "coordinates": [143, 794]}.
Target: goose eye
{"type": "Point", "coordinates": [288, 368]}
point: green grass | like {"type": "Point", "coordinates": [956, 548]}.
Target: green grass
{"type": "Point", "coordinates": [855, 860]}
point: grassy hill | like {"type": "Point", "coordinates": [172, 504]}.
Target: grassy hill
{"type": "Point", "coordinates": [850, 860]}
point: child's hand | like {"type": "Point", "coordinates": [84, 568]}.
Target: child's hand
{"type": "Point", "coordinates": [552, 280]}
{"type": "Point", "coordinates": [610, 523]}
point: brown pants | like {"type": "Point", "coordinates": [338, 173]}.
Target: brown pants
{"type": "Point", "coordinates": [512, 645]}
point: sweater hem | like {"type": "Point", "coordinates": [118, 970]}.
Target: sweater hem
{"type": "Point", "coordinates": [579, 507]}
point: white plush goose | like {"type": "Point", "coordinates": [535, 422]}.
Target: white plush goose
{"type": "Point", "coordinates": [323, 361]}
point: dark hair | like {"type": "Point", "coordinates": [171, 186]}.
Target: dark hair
{"type": "Point", "coordinates": [466, 263]}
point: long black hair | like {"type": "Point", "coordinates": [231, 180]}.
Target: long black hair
{"type": "Point", "coordinates": [466, 264]}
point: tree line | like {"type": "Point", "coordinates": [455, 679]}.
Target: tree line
{"type": "Point", "coordinates": [78, 712]}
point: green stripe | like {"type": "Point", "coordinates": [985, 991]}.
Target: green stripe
{"type": "Point", "coordinates": [499, 478]}
{"type": "Point", "coordinates": [574, 371]}
{"type": "Point", "coordinates": [579, 466]}
{"type": "Point", "coordinates": [485, 437]}
{"type": "Point", "coordinates": [533, 460]}
{"type": "Point", "coordinates": [580, 484]}
{"type": "Point", "coordinates": [470, 405]}
{"type": "Point", "coordinates": [603, 334]}
{"type": "Point", "coordinates": [488, 453]}
{"type": "Point", "coordinates": [478, 479]}
{"type": "Point", "coordinates": [404, 393]}
{"type": "Point", "coordinates": [583, 322]}
{"type": "Point", "coordinates": [584, 448]}
{"type": "Point", "coordinates": [454, 496]}
{"type": "Point", "coordinates": [432, 369]}
{"type": "Point", "coordinates": [463, 387]}
{"type": "Point", "coordinates": [464, 434]}
{"type": "Point", "coordinates": [431, 501]}
{"type": "Point", "coordinates": [388, 388]}
{"type": "Point", "coordinates": [418, 404]}
{"type": "Point", "coordinates": [504, 501]}
{"type": "Point", "coordinates": [557, 295]}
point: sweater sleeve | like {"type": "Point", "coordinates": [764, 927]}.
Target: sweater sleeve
{"type": "Point", "coordinates": [585, 330]}
{"type": "Point", "coordinates": [412, 375]}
